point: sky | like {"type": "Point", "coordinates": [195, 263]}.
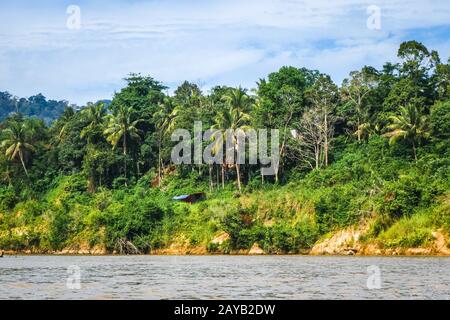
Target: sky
{"type": "Point", "coordinates": [208, 42]}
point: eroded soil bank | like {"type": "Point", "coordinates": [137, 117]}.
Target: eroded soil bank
{"type": "Point", "coordinates": [344, 242]}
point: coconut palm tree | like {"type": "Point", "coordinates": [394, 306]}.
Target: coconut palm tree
{"type": "Point", "coordinates": [222, 121]}
{"type": "Point", "coordinates": [122, 127]}
{"type": "Point", "coordinates": [368, 129]}
{"type": "Point", "coordinates": [62, 123]}
{"type": "Point", "coordinates": [165, 121]}
{"type": "Point", "coordinates": [17, 142]}
{"type": "Point", "coordinates": [235, 118]}
{"type": "Point", "coordinates": [95, 117]}
{"type": "Point", "coordinates": [409, 125]}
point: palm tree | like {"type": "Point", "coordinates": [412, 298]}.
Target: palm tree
{"type": "Point", "coordinates": [62, 123]}
{"type": "Point", "coordinates": [409, 125]}
{"type": "Point", "coordinates": [368, 129]}
{"type": "Point", "coordinates": [234, 118]}
{"type": "Point", "coordinates": [17, 142]}
{"type": "Point", "coordinates": [164, 121]}
{"type": "Point", "coordinates": [221, 122]}
{"type": "Point", "coordinates": [122, 127]}
{"type": "Point", "coordinates": [95, 116]}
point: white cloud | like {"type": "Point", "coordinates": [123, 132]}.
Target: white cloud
{"type": "Point", "coordinates": [212, 42]}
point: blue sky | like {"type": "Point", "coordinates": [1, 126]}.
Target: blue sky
{"type": "Point", "coordinates": [232, 42]}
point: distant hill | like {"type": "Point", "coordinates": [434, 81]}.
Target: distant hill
{"type": "Point", "coordinates": [36, 105]}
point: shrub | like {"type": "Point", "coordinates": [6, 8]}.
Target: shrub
{"type": "Point", "coordinates": [411, 231]}
{"type": "Point", "coordinates": [8, 198]}
{"type": "Point", "coordinates": [409, 192]}
{"type": "Point", "coordinates": [29, 210]}
{"type": "Point", "coordinates": [58, 233]}
{"type": "Point", "coordinates": [237, 223]}
{"type": "Point", "coordinates": [286, 238]}
{"type": "Point", "coordinates": [280, 238]}
{"type": "Point", "coordinates": [411, 239]}
{"type": "Point", "coordinates": [440, 119]}
{"type": "Point", "coordinates": [334, 209]}
{"type": "Point", "coordinates": [133, 220]}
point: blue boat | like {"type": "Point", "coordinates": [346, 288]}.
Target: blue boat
{"type": "Point", "coordinates": [190, 198]}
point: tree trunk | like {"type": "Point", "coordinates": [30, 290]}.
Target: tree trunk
{"type": "Point", "coordinates": [317, 154]}
{"type": "Point", "coordinates": [414, 150]}
{"type": "Point", "coordinates": [210, 178]}
{"type": "Point", "coordinates": [125, 158]}
{"type": "Point", "coordinates": [159, 163]}
{"type": "Point", "coordinates": [283, 145]}
{"type": "Point", "coordinates": [217, 177]}
{"type": "Point", "coordinates": [359, 115]}
{"type": "Point", "coordinates": [23, 163]}
{"type": "Point", "coordinates": [238, 173]}
{"type": "Point", "coordinates": [326, 140]}
{"type": "Point", "coordinates": [8, 176]}
{"type": "Point", "coordinates": [223, 177]}
{"type": "Point", "coordinates": [91, 183]}
{"type": "Point", "coordinates": [359, 131]}
{"type": "Point", "coordinates": [138, 168]}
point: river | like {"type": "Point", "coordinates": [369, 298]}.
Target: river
{"type": "Point", "coordinates": [223, 277]}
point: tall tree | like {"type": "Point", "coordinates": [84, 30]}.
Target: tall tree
{"type": "Point", "coordinates": [94, 115]}
{"type": "Point", "coordinates": [409, 125]}
{"type": "Point", "coordinates": [323, 96]}
{"type": "Point", "coordinates": [442, 80]}
{"type": "Point", "coordinates": [122, 126]}
{"type": "Point", "coordinates": [164, 120]}
{"type": "Point", "coordinates": [62, 123]}
{"type": "Point", "coordinates": [355, 91]}
{"type": "Point", "coordinates": [415, 84]}
{"type": "Point", "coordinates": [235, 118]}
{"type": "Point", "coordinates": [17, 142]}
{"type": "Point", "coordinates": [308, 140]}
{"type": "Point", "coordinates": [281, 99]}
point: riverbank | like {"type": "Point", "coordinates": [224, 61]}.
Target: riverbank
{"type": "Point", "coordinates": [342, 243]}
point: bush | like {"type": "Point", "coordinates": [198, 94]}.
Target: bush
{"type": "Point", "coordinates": [440, 119]}
{"type": "Point", "coordinates": [411, 239]}
{"type": "Point", "coordinates": [334, 208]}
{"type": "Point", "coordinates": [29, 210]}
{"type": "Point", "coordinates": [8, 198]}
{"type": "Point", "coordinates": [212, 247]}
{"type": "Point", "coordinates": [59, 230]}
{"type": "Point", "coordinates": [239, 223]}
{"type": "Point", "coordinates": [133, 220]}
{"type": "Point", "coordinates": [280, 238]}
{"type": "Point", "coordinates": [411, 231]}
{"type": "Point", "coordinates": [286, 238]}
{"type": "Point", "coordinates": [408, 193]}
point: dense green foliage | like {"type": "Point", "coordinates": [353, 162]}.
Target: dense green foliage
{"type": "Point", "coordinates": [37, 106]}
{"type": "Point", "coordinates": [374, 150]}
